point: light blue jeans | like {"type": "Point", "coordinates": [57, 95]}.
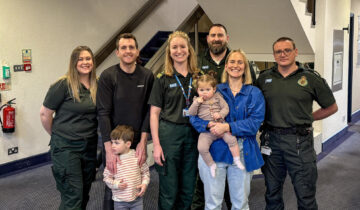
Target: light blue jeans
{"type": "Point", "coordinates": [239, 184]}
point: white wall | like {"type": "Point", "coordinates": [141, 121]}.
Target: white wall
{"type": "Point", "coordinates": [332, 15]}
{"type": "Point", "coordinates": [305, 20]}
{"type": "Point", "coordinates": [355, 8]}
{"type": "Point", "coordinates": [164, 18]}
{"type": "Point", "coordinates": [253, 25]}
{"type": "Point", "coordinates": [52, 29]}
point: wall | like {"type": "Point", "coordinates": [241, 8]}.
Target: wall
{"type": "Point", "coordinates": [52, 29]}
{"type": "Point", "coordinates": [253, 25]}
{"type": "Point", "coordinates": [305, 20]}
{"type": "Point", "coordinates": [156, 22]}
{"type": "Point", "coordinates": [331, 15]}
{"type": "Point", "coordinates": [355, 8]}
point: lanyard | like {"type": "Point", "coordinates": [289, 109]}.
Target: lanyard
{"type": "Point", "coordinates": [187, 97]}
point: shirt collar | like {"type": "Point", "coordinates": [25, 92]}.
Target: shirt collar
{"type": "Point", "coordinates": [208, 56]}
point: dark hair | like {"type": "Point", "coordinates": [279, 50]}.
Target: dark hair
{"type": "Point", "coordinates": [126, 36]}
{"type": "Point", "coordinates": [282, 39]}
{"type": "Point", "coordinates": [218, 25]}
{"type": "Point", "coordinates": [123, 132]}
{"type": "Point", "coordinates": [206, 78]}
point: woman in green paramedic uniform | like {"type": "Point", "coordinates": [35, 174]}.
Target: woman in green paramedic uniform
{"type": "Point", "coordinates": [174, 139]}
{"type": "Point", "coordinates": [73, 130]}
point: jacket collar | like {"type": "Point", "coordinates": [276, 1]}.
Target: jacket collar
{"type": "Point", "coordinates": [224, 87]}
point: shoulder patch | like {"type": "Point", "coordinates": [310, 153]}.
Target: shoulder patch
{"type": "Point", "coordinates": [159, 75]}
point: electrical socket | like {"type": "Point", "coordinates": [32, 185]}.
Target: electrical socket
{"type": "Point", "coordinates": [13, 150]}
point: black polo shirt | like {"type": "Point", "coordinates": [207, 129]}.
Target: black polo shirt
{"type": "Point", "coordinates": [73, 120]}
{"type": "Point", "coordinates": [289, 100]}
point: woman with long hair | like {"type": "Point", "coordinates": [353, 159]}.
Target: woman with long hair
{"type": "Point", "coordinates": [73, 129]}
{"type": "Point", "coordinates": [247, 109]}
{"type": "Point", "coordinates": [174, 139]}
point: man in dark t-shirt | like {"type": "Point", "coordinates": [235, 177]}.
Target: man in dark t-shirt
{"type": "Point", "coordinates": [122, 95]}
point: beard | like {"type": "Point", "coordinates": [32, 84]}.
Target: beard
{"type": "Point", "coordinates": [217, 49]}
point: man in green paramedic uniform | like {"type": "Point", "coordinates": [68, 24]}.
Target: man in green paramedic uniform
{"type": "Point", "coordinates": [287, 140]}
{"type": "Point", "coordinates": [212, 60]}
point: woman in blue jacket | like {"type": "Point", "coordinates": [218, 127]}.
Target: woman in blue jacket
{"type": "Point", "coordinates": [247, 109]}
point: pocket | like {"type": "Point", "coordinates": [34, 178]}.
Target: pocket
{"type": "Point", "coordinates": [161, 169]}
{"type": "Point", "coordinates": [59, 174]}
{"type": "Point", "coordinates": [307, 151]}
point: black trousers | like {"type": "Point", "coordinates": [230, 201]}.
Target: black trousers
{"type": "Point", "coordinates": [294, 154]}
{"type": "Point", "coordinates": [74, 169]}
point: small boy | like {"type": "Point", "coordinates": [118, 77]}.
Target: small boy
{"type": "Point", "coordinates": [130, 181]}
{"type": "Point", "coordinates": [210, 105]}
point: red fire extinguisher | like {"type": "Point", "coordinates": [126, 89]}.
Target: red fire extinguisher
{"type": "Point", "coordinates": [8, 117]}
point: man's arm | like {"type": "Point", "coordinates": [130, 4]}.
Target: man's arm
{"type": "Point", "coordinates": [325, 112]}
{"type": "Point", "coordinates": [141, 149]}
{"type": "Point", "coordinates": [104, 101]}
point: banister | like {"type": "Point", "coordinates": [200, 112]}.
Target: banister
{"type": "Point", "coordinates": [157, 61]}
{"type": "Point", "coordinates": [128, 27]}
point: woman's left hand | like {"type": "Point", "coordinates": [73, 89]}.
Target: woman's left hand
{"type": "Point", "coordinates": [219, 129]}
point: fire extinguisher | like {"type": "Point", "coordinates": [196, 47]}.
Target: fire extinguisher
{"type": "Point", "coordinates": [8, 117]}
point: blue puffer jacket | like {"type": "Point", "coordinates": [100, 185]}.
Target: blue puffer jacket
{"type": "Point", "coordinates": [247, 110]}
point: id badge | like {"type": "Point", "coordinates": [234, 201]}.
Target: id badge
{"type": "Point", "coordinates": [266, 150]}
{"type": "Point", "coordinates": [185, 112]}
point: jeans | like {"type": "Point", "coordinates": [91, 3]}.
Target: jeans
{"type": "Point", "coordinates": [239, 184]}
{"type": "Point", "coordinates": [136, 204]}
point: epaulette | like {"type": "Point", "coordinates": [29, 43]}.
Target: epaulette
{"type": "Point", "coordinates": [265, 70]}
{"type": "Point", "coordinates": [159, 75]}
{"type": "Point", "coordinates": [312, 71]}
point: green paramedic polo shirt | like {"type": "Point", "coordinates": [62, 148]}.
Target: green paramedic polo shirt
{"type": "Point", "coordinates": [73, 120]}
{"type": "Point", "coordinates": [167, 95]}
{"type": "Point", "coordinates": [289, 100]}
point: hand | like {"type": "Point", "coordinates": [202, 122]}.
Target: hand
{"type": "Point", "coordinates": [158, 155]}
{"type": "Point", "coordinates": [111, 160]}
{"type": "Point", "coordinates": [141, 152]}
{"type": "Point", "coordinates": [122, 185]}
{"type": "Point", "coordinates": [211, 124]}
{"type": "Point", "coordinates": [142, 188]}
{"type": "Point", "coordinates": [200, 99]}
{"type": "Point", "coordinates": [217, 116]}
{"type": "Point", "coordinates": [219, 129]}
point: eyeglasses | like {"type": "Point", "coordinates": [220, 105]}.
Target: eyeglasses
{"type": "Point", "coordinates": [285, 51]}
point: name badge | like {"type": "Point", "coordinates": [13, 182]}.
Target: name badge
{"type": "Point", "coordinates": [185, 113]}
{"type": "Point", "coordinates": [205, 67]}
{"type": "Point", "coordinates": [268, 80]}
{"type": "Point", "coordinates": [173, 85]}
{"type": "Point", "coordinates": [265, 150]}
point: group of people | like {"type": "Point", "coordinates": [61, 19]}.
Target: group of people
{"type": "Point", "coordinates": [182, 102]}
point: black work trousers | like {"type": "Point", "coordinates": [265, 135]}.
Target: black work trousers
{"type": "Point", "coordinates": [295, 154]}
{"type": "Point", "coordinates": [74, 169]}
{"type": "Point", "coordinates": [177, 176]}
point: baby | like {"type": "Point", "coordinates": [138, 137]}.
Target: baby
{"type": "Point", "coordinates": [212, 106]}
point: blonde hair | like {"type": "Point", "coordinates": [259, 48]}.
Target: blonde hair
{"type": "Point", "coordinates": [72, 75]}
{"type": "Point", "coordinates": [192, 59]}
{"type": "Point", "coordinates": [207, 79]}
{"type": "Point", "coordinates": [246, 77]}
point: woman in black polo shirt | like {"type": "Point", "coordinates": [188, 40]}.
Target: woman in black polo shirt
{"type": "Point", "coordinates": [174, 140]}
{"type": "Point", "coordinates": [73, 130]}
